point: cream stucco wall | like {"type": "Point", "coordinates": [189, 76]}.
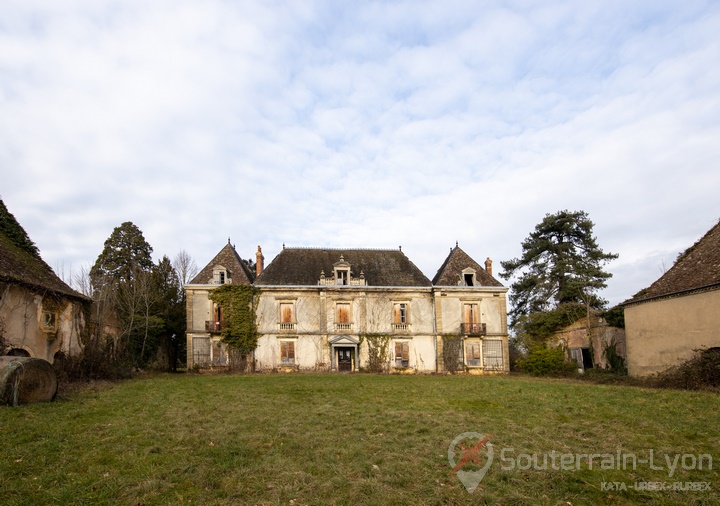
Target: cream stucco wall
{"type": "Point", "coordinates": [492, 305]}
{"type": "Point", "coordinates": [662, 333]}
{"type": "Point", "coordinates": [371, 312]}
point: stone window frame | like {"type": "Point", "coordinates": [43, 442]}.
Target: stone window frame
{"type": "Point", "coordinates": [288, 351]}
{"type": "Point", "coordinates": [401, 355]}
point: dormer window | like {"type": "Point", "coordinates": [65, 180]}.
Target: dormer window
{"type": "Point", "coordinates": [220, 276]}
{"type": "Point", "coordinates": [468, 277]}
{"type": "Point", "coordinates": [342, 275]}
{"type": "Point", "coordinates": [49, 321]}
{"type": "Point", "coordinates": [342, 272]}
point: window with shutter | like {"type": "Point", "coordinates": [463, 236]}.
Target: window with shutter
{"type": "Point", "coordinates": [472, 354]}
{"type": "Point", "coordinates": [402, 354]}
{"type": "Point", "coordinates": [471, 319]}
{"type": "Point", "coordinates": [287, 352]}
{"type": "Point", "coordinates": [401, 318]}
{"type": "Point", "coordinates": [287, 316]}
{"type": "Point", "coordinates": [342, 317]}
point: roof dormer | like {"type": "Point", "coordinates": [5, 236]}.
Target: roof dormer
{"type": "Point", "coordinates": [468, 277]}
{"type": "Point", "coordinates": [341, 271]}
{"type": "Point", "coordinates": [220, 275]}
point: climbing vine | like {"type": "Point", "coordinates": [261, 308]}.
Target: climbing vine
{"type": "Point", "coordinates": [452, 349]}
{"type": "Point", "coordinates": [378, 351]}
{"type": "Point", "coordinates": [239, 327]}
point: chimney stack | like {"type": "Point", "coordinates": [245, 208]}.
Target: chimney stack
{"type": "Point", "coordinates": [488, 265]}
{"type": "Point", "coordinates": [259, 261]}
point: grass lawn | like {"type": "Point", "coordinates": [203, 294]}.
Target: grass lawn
{"type": "Point", "coordinates": [355, 439]}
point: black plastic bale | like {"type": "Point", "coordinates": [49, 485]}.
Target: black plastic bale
{"type": "Point", "coordinates": [24, 380]}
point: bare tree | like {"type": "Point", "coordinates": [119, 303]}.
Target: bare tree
{"type": "Point", "coordinates": [80, 281]}
{"type": "Point", "coordinates": [185, 267]}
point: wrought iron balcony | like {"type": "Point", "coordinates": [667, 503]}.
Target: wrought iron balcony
{"type": "Point", "coordinates": [213, 327]}
{"type": "Point", "coordinates": [474, 329]}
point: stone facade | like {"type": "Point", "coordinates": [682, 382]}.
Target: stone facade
{"type": "Point", "coordinates": [319, 309]}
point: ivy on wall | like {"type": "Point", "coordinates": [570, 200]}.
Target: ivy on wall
{"type": "Point", "coordinates": [452, 352]}
{"type": "Point", "coordinates": [239, 305]}
{"type": "Point", "coordinates": [378, 351]}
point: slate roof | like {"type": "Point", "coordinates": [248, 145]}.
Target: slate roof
{"type": "Point", "coordinates": [302, 267]}
{"type": "Point", "coordinates": [453, 266]}
{"type": "Point", "coordinates": [21, 267]}
{"type": "Point", "coordinates": [237, 270]}
{"type": "Point", "coordinates": [698, 268]}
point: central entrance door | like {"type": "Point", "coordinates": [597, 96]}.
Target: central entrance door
{"type": "Point", "coordinates": [344, 358]}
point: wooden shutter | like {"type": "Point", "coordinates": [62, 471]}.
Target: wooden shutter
{"type": "Point", "coordinates": [343, 313]}
{"type": "Point", "coordinates": [396, 315]}
{"type": "Point", "coordinates": [405, 351]}
{"type": "Point", "coordinates": [287, 352]}
{"type": "Point", "coordinates": [286, 313]}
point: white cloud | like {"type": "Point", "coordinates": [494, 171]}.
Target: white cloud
{"type": "Point", "coordinates": [384, 124]}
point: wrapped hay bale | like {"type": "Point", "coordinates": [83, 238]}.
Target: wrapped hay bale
{"type": "Point", "coordinates": [24, 380]}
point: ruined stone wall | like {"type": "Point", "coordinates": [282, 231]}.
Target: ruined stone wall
{"type": "Point", "coordinates": [38, 324]}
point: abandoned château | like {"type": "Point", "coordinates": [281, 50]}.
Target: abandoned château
{"type": "Point", "coordinates": [317, 306]}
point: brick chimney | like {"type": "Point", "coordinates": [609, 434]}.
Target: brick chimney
{"type": "Point", "coordinates": [259, 261]}
{"type": "Point", "coordinates": [488, 265]}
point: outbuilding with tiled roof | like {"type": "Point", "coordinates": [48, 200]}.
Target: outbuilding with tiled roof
{"type": "Point", "coordinates": [40, 315]}
{"type": "Point", "coordinates": [679, 313]}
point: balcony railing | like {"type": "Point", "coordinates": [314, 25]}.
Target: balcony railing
{"type": "Point", "coordinates": [343, 326]}
{"type": "Point", "coordinates": [287, 326]}
{"type": "Point", "coordinates": [401, 326]}
{"type": "Point", "coordinates": [213, 327]}
{"type": "Point", "coordinates": [474, 329]}
{"type": "Point", "coordinates": [339, 282]}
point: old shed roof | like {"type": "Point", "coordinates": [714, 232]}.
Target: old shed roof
{"type": "Point", "coordinates": [19, 266]}
{"type": "Point", "coordinates": [303, 266]}
{"type": "Point", "coordinates": [237, 270]}
{"type": "Point", "coordinates": [698, 268]}
{"type": "Point", "coordinates": [451, 270]}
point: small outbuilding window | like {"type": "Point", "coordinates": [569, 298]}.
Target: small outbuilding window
{"type": "Point", "coordinates": [49, 321]}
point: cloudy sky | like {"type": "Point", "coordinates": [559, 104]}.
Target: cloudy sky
{"type": "Point", "coordinates": [361, 124]}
